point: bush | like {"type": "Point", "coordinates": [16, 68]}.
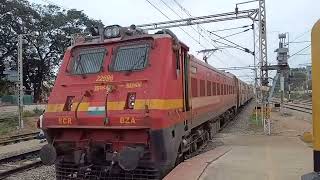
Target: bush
{"type": "Point", "coordinates": [28, 113]}
{"type": "Point", "coordinates": [38, 111]}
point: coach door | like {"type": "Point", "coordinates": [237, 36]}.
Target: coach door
{"type": "Point", "coordinates": [185, 71]}
{"type": "Point", "coordinates": [186, 86]}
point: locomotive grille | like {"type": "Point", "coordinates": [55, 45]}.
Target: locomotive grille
{"type": "Point", "coordinates": [69, 171]}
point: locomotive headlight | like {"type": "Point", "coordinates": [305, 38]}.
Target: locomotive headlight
{"type": "Point", "coordinates": [112, 31]}
{"type": "Point", "coordinates": [108, 33]}
{"type": "Point", "coordinates": [115, 31]}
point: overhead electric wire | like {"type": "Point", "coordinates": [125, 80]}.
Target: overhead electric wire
{"type": "Point", "coordinates": [191, 26]}
{"type": "Point", "coordinates": [196, 30]}
{"type": "Point", "coordinates": [299, 51]}
{"type": "Point", "coordinates": [235, 34]}
{"type": "Point", "coordinates": [227, 29]}
{"type": "Point", "coordinates": [301, 35]}
{"type": "Point", "coordinates": [300, 42]}
{"type": "Point", "coordinates": [154, 6]}
{"type": "Point", "coordinates": [237, 45]}
{"type": "Point", "coordinates": [181, 27]}
{"type": "Point", "coordinates": [189, 14]}
{"type": "Point", "coordinates": [241, 47]}
{"type": "Point", "coordinates": [199, 26]}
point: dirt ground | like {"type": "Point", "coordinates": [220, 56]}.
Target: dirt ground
{"type": "Point", "coordinates": [290, 123]}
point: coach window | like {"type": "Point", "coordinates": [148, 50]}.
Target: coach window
{"type": "Point", "coordinates": [202, 88]}
{"type": "Point", "coordinates": [130, 57]}
{"type": "Point", "coordinates": [227, 89]}
{"type": "Point", "coordinates": [214, 89]}
{"type": "Point", "coordinates": [221, 89]}
{"type": "Point", "coordinates": [88, 61]}
{"type": "Point", "coordinates": [208, 88]}
{"type": "Point", "coordinates": [194, 87]}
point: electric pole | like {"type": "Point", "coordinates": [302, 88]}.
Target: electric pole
{"type": "Point", "coordinates": [20, 82]}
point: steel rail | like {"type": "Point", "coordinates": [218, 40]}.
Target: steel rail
{"type": "Point", "coordinates": [18, 138]}
{"type": "Point", "coordinates": [20, 157]}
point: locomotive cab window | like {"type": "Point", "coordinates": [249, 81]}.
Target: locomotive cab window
{"type": "Point", "coordinates": [88, 61]}
{"type": "Point", "coordinates": [130, 58]}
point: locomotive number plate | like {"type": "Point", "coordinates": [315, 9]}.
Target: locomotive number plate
{"type": "Point", "coordinates": [65, 120]}
{"type": "Point", "coordinates": [127, 120]}
{"type": "Point", "coordinates": [104, 78]}
{"type": "Point", "coordinates": [134, 85]}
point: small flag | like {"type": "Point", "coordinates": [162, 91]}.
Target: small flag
{"type": "Point", "coordinates": [96, 110]}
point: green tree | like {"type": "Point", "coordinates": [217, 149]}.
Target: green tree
{"type": "Point", "coordinates": [48, 28]}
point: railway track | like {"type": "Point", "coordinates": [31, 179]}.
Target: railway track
{"type": "Point", "coordinates": [18, 138]}
{"type": "Point", "coordinates": [298, 106]}
{"type": "Point", "coordinates": [19, 163]}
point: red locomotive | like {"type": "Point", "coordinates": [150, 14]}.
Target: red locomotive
{"type": "Point", "coordinates": [131, 105]}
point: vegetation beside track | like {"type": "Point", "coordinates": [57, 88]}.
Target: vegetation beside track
{"type": "Point", "coordinates": [9, 122]}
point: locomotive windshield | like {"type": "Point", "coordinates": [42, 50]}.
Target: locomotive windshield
{"type": "Point", "coordinates": [129, 58]}
{"type": "Point", "coordinates": [88, 61]}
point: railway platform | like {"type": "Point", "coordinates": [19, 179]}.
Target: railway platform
{"type": "Point", "coordinates": [251, 155]}
{"type": "Point", "coordinates": [261, 157]}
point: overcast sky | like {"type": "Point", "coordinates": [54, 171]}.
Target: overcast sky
{"type": "Point", "coordinates": [294, 16]}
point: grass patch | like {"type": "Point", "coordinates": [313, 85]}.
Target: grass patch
{"type": "Point", "coordinates": [256, 120]}
{"type": "Point", "coordinates": [28, 113]}
{"type": "Point", "coordinates": [38, 111]}
{"type": "Point", "coordinates": [8, 125]}
{"type": "Point", "coordinates": [35, 112]}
